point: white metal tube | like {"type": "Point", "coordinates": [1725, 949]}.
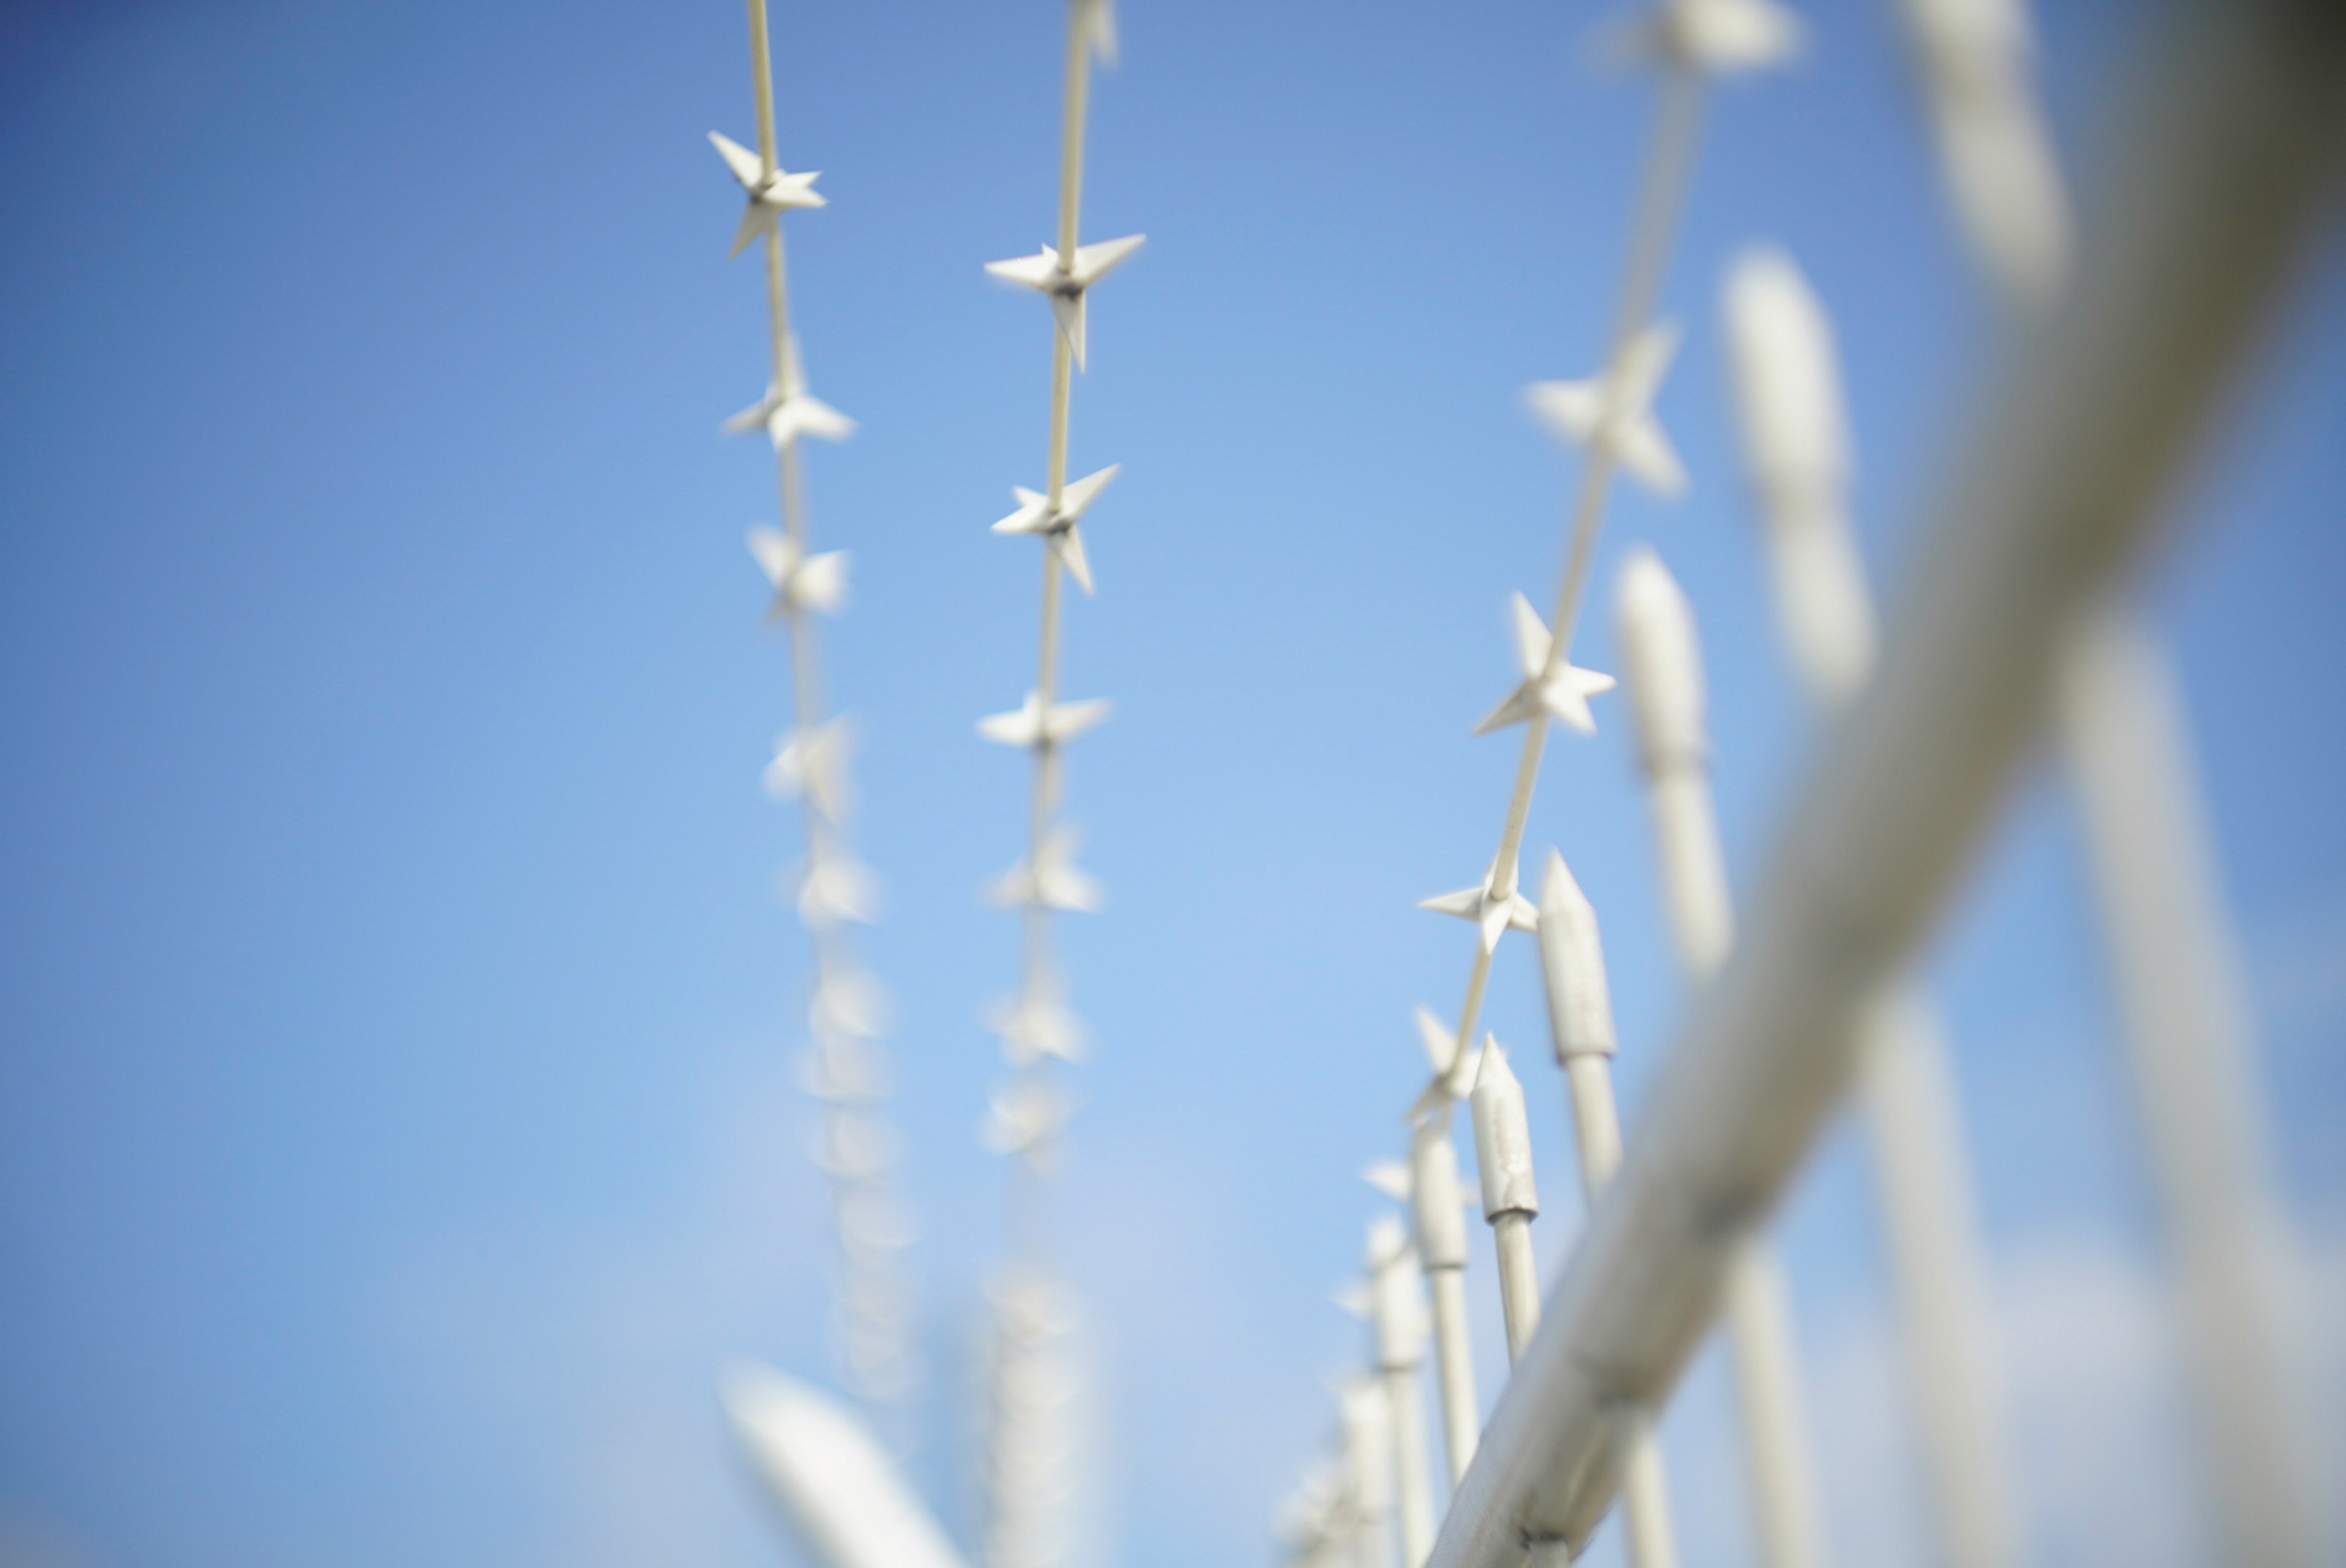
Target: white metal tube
{"type": "Point", "coordinates": [1437, 1207]}
{"type": "Point", "coordinates": [1663, 661]}
{"type": "Point", "coordinates": [1580, 1022]}
{"type": "Point", "coordinates": [1412, 1465]}
{"type": "Point", "coordinates": [1772, 1416]}
{"type": "Point", "coordinates": [1518, 1281]}
{"type": "Point", "coordinates": [1369, 1472]}
{"type": "Point", "coordinates": [1398, 1312]}
{"type": "Point", "coordinates": [1906, 1089]}
{"type": "Point", "coordinates": [2177, 967]}
{"type": "Point", "coordinates": [1454, 1349]}
{"type": "Point", "coordinates": [1787, 380]}
{"type": "Point", "coordinates": [1645, 1493]}
{"type": "Point", "coordinates": [1596, 1120]}
{"type": "Point", "coordinates": [1502, 1156]}
{"type": "Point", "coordinates": [2227, 159]}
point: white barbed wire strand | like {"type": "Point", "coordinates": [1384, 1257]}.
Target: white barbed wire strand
{"type": "Point", "coordinates": [1494, 904]}
{"type": "Point", "coordinates": [1662, 667]}
{"type": "Point", "coordinates": [1686, 39]}
{"type": "Point", "coordinates": [847, 1071]}
{"type": "Point", "coordinates": [1609, 415]}
{"type": "Point", "coordinates": [1030, 1440]}
{"type": "Point", "coordinates": [2173, 955]}
{"type": "Point", "coordinates": [1785, 378]}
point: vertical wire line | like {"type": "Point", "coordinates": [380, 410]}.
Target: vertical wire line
{"type": "Point", "coordinates": [1021, 1533]}
{"type": "Point", "coordinates": [1669, 164]}
{"type": "Point", "coordinates": [832, 952]}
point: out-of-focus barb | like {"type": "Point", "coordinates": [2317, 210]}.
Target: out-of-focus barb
{"type": "Point", "coordinates": [811, 765]}
{"type": "Point", "coordinates": [1452, 1069]}
{"type": "Point", "coordinates": [1035, 725]}
{"type": "Point", "coordinates": [1614, 412]}
{"type": "Point", "coordinates": [788, 411]}
{"type": "Point", "coordinates": [799, 581]}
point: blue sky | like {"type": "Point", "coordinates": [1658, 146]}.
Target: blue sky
{"type": "Point", "coordinates": [397, 1124]}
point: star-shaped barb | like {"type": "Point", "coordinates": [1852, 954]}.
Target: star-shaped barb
{"type": "Point", "coordinates": [1026, 1119]}
{"type": "Point", "coordinates": [799, 581]}
{"type": "Point", "coordinates": [1616, 410]}
{"type": "Point", "coordinates": [1390, 1177]}
{"type": "Point", "coordinates": [1452, 1069]}
{"type": "Point", "coordinates": [1493, 906]}
{"type": "Point", "coordinates": [1037, 1025]}
{"type": "Point", "coordinates": [813, 763]}
{"type": "Point", "coordinates": [856, 1148]}
{"type": "Point", "coordinates": [788, 411]}
{"type": "Point", "coordinates": [1049, 879]}
{"type": "Point", "coordinates": [1035, 515]}
{"type": "Point", "coordinates": [871, 1220]}
{"type": "Point", "coordinates": [1066, 283]}
{"type": "Point", "coordinates": [847, 1003]}
{"type": "Point", "coordinates": [771, 195]}
{"type": "Point", "coordinates": [1387, 1250]}
{"type": "Point", "coordinates": [1720, 37]}
{"type": "Point", "coordinates": [833, 887]}
{"type": "Point", "coordinates": [843, 1072]}
{"type": "Point", "coordinates": [1396, 1178]}
{"type": "Point", "coordinates": [1311, 1519]}
{"type": "Point", "coordinates": [1031, 725]}
{"type": "Point", "coordinates": [1561, 691]}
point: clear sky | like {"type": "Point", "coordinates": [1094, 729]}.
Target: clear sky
{"type": "Point", "coordinates": [397, 1117]}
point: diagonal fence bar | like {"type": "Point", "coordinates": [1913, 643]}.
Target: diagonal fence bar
{"type": "Point", "coordinates": [2232, 147]}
